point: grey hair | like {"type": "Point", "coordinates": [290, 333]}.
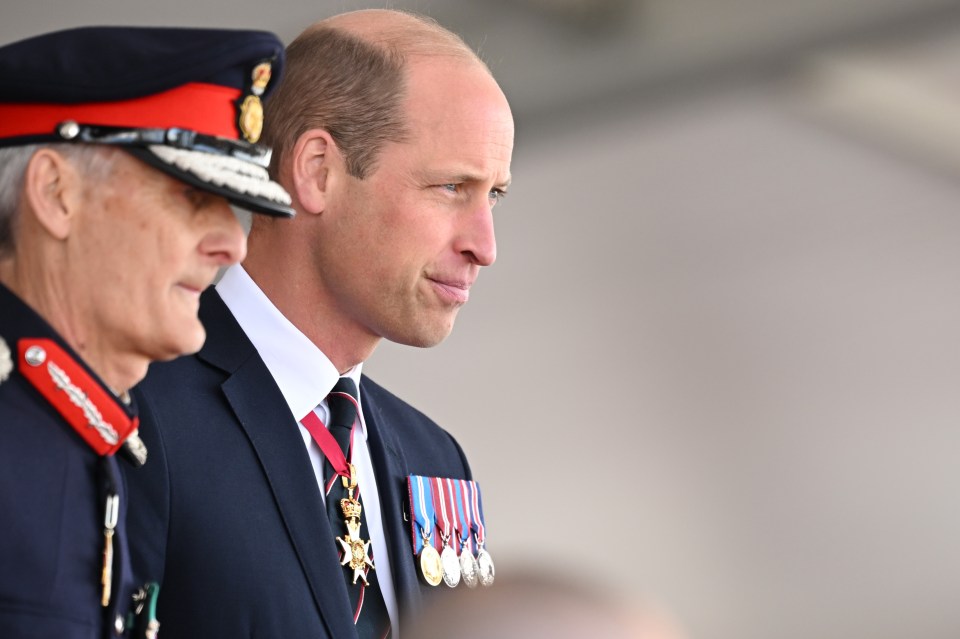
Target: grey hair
{"type": "Point", "coordinates": [92, 161]}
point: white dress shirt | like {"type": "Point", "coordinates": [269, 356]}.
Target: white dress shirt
{"type": "Point", "coordinates": [305, 377]}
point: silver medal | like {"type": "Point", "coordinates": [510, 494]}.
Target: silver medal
{"type": "Point", "coordinates": [485, 566]}
{"type": "Point", "coordinates": [468, 568]}
{"type": "Point", "coordinates": [451, 566]}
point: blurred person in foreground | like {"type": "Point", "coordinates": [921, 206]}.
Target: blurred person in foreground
{"type": "Point", "coordinates": [529, 603]}
{"type": "Point", "coordinates": [395, 143]}
{"type": "Point", "coordinates": [120, 152]}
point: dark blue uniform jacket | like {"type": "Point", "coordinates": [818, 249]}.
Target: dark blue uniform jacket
{"type": "Point", "coordinates": [53, 488]}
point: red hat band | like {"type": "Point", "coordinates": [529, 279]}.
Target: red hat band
{"type": "Point", "coordinates": [205, 108]}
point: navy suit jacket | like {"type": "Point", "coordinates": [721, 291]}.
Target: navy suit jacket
{"type": "Point", "coordinates": [227, 513]}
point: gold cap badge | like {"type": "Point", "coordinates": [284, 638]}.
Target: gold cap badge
{"type": "Point", "coordinates": [250, 121]}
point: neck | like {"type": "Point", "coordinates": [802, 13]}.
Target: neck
{"type": "Point", "coordinates": [302, 298]}
{"type": "Point", "coordinates": [45, 290]}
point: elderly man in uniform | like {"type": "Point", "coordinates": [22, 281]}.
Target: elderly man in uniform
{"type": "Point", "coordinates": [121, 150]}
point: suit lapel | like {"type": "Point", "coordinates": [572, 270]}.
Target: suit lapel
{"type": "Point", "coordinates": [390, 469]}
{"type": "Point", "coordinates": [265, 417]}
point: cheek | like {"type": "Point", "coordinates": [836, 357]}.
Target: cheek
{"type": "Point", "coordinates": [149, 264]}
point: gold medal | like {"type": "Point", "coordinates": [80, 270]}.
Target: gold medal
{"type": "Point", "coordinates": [430, 566]}
{"type": "Point", "coordinates": [356, 551]}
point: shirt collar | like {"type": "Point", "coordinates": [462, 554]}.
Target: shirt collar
{"type": "Point", "coordinates": [303, 373]}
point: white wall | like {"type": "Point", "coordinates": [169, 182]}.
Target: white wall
{"type": "Point", "coordinates": [717, 363]}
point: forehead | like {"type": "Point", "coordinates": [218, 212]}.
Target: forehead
{"type": "Point", "coordinates": [121, 176]}
{"type": "Point", "coordinates": [454, 106]}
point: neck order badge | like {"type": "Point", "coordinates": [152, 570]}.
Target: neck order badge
{"type": "Point", "coordinates": [344, 507]}
{"type": "Point", "coordinates": [356, 551]}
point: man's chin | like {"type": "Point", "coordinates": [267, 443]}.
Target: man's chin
{"type": "Point", "coordinates": [187, 342]}
{"type": "Point", "coordinates": [424, 335]}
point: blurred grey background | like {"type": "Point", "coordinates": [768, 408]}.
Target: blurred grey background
{"type": "Point", "coordinates": [717, 363]}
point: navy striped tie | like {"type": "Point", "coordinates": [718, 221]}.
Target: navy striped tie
{"type": "Point", "coordinates": [369, 610]}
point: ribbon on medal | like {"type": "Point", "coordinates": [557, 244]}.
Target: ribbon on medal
{"type": "Point", "coordinates": [463, 522]}
{"type": "Point", "coordinates": [469, 571]}
{"type": "Point", "coordinates": [443, 506]}
{"type": "Point", "coordinates": [476, 523]}
{"type": "Point", "coordinates": [451, 498]}
{"type": "Point", "coordinates": [441, 519]}
{"type": "Point", "coordinates": [421, 505]}
{"type": "Point", "coordinates": [328, 445]}
{"type": "Point", "coordinates": [424, 513]}
{"type": "Point", "coordinates": [484, 560]}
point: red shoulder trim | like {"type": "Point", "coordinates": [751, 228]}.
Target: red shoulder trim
{"type": "Point", "coordinates": [84, 404]}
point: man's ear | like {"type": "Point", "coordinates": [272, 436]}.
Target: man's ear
{"type": "Point", "coordinates": [312, 158]}
{"type": "Point", "coordinates": [51, 189]}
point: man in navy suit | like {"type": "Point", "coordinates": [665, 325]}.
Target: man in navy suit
{"type": "Point", "coordinates": [121, 149]}
{"type": "Point", "coordinates": [395, 142]}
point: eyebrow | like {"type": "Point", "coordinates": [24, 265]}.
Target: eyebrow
{"type": "Point", "coordinates": [470, 177]}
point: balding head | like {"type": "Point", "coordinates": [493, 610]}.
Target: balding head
{"type": "Point", "coordinates": [348, 75]}
{"type": "Point", "coordinates": [404, 33]}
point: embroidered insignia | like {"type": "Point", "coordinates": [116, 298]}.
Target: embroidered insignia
{"type": "Point", "coordinates": [134, 450]}
{"type": "Point", "coordinates": [250, 119]}
{"type": "Point", "coordinates": [261, 78]}
{"type": "Point", "coordinates": [6, 362]}
{"type": "Point", "coordinates": [91, 411]}
{"type": "Point", "coordinates": [81, 401]}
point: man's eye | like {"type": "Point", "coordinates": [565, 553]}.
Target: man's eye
{"type": "Point", "coordinates": [195, 197]}
{"type": "Point", "coordinates": [452, 188]}
{"type": "Point", "coordinates": [496, 196]}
